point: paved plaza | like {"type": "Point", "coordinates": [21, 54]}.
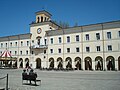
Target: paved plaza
{"type": "Point", "coordinates": [66, 80]}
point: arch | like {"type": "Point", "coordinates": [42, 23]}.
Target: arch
{"type": "Point", "coordinates": [26, 62]}
{"type": "Point", "coordinates": [110, 62]}
{"type": "Point", "coordinates": [119, 63]}
{"type": "Point", "coordinates": [60, 63]}
{"type": "Point", "coordinates": [41, 18]}
{"type": "Point", "coordinates": [68, 60]}
{"type": "Point", "coordinates": [38, 19]}
{"type": "Point", "coordinates": [88, 63]}
{"type": "Point", "coordinates": [78, 63]}
{"type": "Point", "coordinates": [98, 63]}
{"type": "Point", "coordinates": [38, 63]}
{"type": "Point", "coordinates": [51, 61]}
{"type": "Point", "coordinates": [15, 64]}
{"type": "Point", "coordinates": [21, 63]}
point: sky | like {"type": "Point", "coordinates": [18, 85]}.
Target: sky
{"type": "Point", "coordinates": [16, 15]}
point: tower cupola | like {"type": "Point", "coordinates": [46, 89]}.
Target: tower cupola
{"type": "Point", "coordinates": [43, 16]}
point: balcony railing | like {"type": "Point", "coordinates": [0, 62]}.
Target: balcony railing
{"type": "Point", "coordinates": [38, 46]}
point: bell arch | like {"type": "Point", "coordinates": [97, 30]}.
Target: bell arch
{"type": "Point", "coordinates": [110, 61]}
{"type": "Point", "coordinates": [88, 63]}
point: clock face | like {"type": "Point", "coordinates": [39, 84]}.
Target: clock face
{"type": "Point", "coordinates": [39, 30]}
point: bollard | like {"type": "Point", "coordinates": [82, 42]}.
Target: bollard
{"type": "Point", "coordinates": [7, 83]}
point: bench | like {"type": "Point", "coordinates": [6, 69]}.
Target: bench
{"type": "Point", "coordinates": [30, 78]}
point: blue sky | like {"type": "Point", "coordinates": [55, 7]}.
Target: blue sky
{"type": "Point", "coordinates": [16, 15]}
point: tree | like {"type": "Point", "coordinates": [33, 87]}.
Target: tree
{"type": "Point", "coordinates": [62, 24]}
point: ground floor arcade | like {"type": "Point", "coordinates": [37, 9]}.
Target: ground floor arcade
{"type": "Point", "coordinates": [77, 63]}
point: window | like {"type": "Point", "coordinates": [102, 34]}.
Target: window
{"type": "Point", "coordinates": [26, 52]}
{"type": "Point", "coordinates": [98, 48]}
{"type": "Point", "coordinates": [10, 52]}
{"type": "Point", "coordinates": [21, 52]}
{"type": "Point", "coordinates": [15, 43]}
{"type": "Point", "coordinates": [98, 36]}
{"type": "Point", "coordinates": [11, 44]}
{"type": "Point", "coordinates": [119, 33]}
{"type": "Point", "coordinates": [51, 40]}
{"type": "Point", "coordinates": [51, 50]}
{"type": "Point", "coordinates": [68, 50]}
{"type": "Point", "coordinates": [44, 51]}
{"type": "Point", "coordinates": [21, 43]}
{"type": "Point", "coordinates": [45, 41]}
{"type": "Point", "coordinates": [32, 52]}
{"type": "Point", "coordinates": [77, 49]}
{"type": "Point", "coordinates": [109, 47]}
{"type": "Point", "coordinates": [1, 45]}
{"type": "Point", "coordinates": [59, 50]}
{"type": "Point", "coordinates": [87, 49]}
{"type": "Point", "coordinates": [109, 35]}
{"type": "Point", "coordinates": [87, 36]}
{"type": "Point", "coordinates": [15, 52]}
{"type": "Point", "coordinates": [27, 43]}
{"type": "Point", "coordinates": [6, 44]}
{"type": "Point", "coordinates": [59, 39]}
{"type": "Point", "coordinates": [33, 41]}
{"type": "Point", "coordinates": [68, 39]}
{"type": "Point", "coordinates": [77, 38]}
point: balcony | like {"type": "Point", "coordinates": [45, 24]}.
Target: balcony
{"type": "Point", "coordinates": [38, 46]}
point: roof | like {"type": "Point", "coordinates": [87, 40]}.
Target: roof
{"type": "Point", "coordinates": [85, 28]}
{"type": "Point", "coordinates": [43, 12]}
{"type": "Point", "coordinates": [51, 23]}
{"type": "Point", "coordinates": [15, 37]}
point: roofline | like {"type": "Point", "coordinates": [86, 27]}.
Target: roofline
{"type": "Point", "coordinates": [87, 25]}
{"type": "Point", "coordinates": [99, 23]}
{"type": "Point", "coordinates": [34, 23]}
{"type": "Point", "coordinates": [16, 35]}
{"type": "Point", "coordinates": [43, 11]}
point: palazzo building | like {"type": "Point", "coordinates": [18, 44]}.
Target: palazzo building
{"type": "Point", "coordinates": [88, 47]}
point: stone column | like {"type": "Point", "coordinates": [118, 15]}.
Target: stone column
{"type": "Point", "coordinates": [93, 65]}
{"type": "Point", "coordinates": [83, 65]}
{"type": "Point", "coordinates": [73, 64]}
{"type": "Point", "coordinates": [116, 64]}
{"type": "Point", "coordinates": [55, 64]}
{"type": "Point", "coordinates": [64, 64]}
{"type": "Point", "coordinates": [104, 65]}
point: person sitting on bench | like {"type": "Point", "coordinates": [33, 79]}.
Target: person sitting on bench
{"type": "Point", "coordinates": [24, 72]}
{"type": "Point", "coordinates": [33, 76]}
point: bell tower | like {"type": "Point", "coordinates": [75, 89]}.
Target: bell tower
{"type": "Point", "coordinates": [43, 16]}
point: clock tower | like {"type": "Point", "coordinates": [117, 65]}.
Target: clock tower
{"type": "Point", "coordinates": [39, 39]}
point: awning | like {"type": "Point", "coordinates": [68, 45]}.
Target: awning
{"type": "Point", "coordinates": [6, 55]}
